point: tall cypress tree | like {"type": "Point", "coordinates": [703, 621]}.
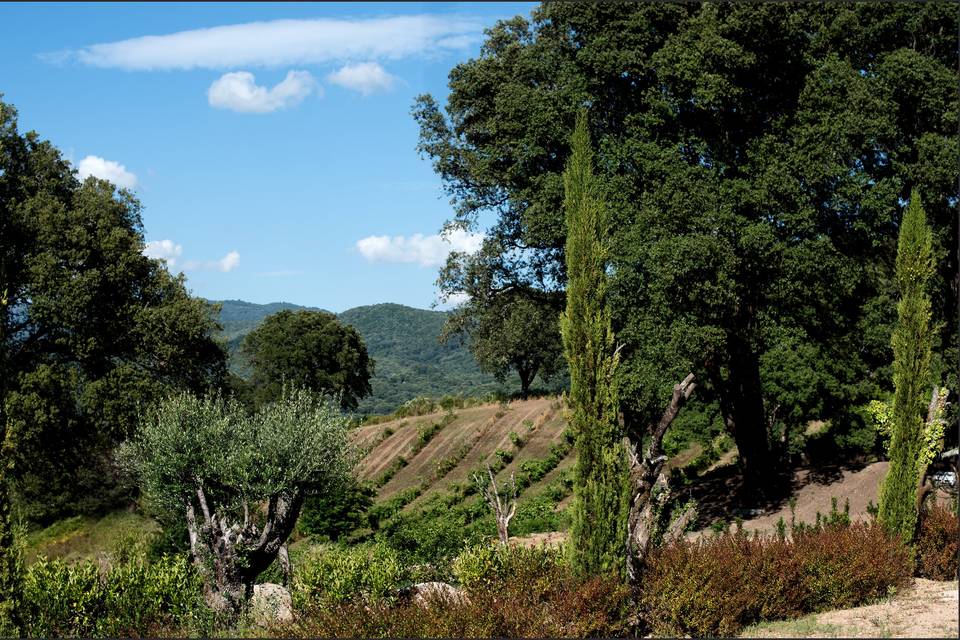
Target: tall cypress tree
{"type": "Point", "coordinates": [912, 343]}
{"type": "Point", "coordinates": [598, 531]}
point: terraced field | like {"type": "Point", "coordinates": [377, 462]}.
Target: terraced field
{"type": "Point", "coordinates": [466, 439]}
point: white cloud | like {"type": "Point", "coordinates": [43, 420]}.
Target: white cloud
{"type": "Point", "coordinates": [427, 251]}
{"type": "Point", "coordinates": [283, 42]}
{"type": "Point", "coordinates": [163, 250]}
{"type": "Point", "coordinates": [170, 251]}
{"type": "Point", "coordinates": [107, 170]}
{"type": "Point", "coordinates": [229, 262]}
{"type": "Point", "coordinates": [365, 77]}
{"type": "Point", "coordinates": [238, 91]}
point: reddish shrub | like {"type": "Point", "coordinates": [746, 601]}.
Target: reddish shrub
{"type": "Point", "coordinates": [716, 586]}
{"type": "Point", "coordinates": [938, 543]}
{"type": "Point", "coordinates": [533, 601]}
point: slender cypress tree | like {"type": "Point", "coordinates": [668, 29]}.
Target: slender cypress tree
{"type": "Point", "coordinates": [598, 531]}
{"type": "Point", "coordinates": [912, 344]}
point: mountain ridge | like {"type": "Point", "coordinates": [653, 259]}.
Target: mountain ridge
{"type": "Point", "coordinates": [402, 340]}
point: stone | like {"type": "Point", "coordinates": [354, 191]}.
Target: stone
{"type": "Point", "coordinates": [271, 604]}
{"type": "Point", "coordinates": [422, 592]}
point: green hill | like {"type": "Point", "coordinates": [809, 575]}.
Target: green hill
{"type": "Point", "coordinates": [402, 340]}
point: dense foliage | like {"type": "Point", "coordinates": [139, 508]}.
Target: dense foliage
{"type": "Point", "coordinates": [511, 332]}
{"type": "Point", "coordinates": [912, 379]}
{"type": "Point", "coordinates": [410, 362]}
{"type": "Point", "coordinates": [90, 329]}
{"type": "Point", "coordinates": [131, 598]}
{"type": "Point", "coordinates": [938, 543]}
{"type": "Point", "coordinates": [310, 350]}
{"type": "Point", "coordinates": [525, 593]}
{"type": "Point", "coordinates": [239, 480]}
{"type": "Point", "coordinates": [717, 586]}
{"type": "Point", "coordinates": [600, 478]}
{"type": "Point", "coordinates": [754, 156]}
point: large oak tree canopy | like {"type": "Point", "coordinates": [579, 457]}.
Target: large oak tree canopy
{"type": "Point", "coordinates": [755, 157]}
{"type": "Point", "coordinates": [91, 330]}
{"type": "Point", "coordinates": [309, 349]}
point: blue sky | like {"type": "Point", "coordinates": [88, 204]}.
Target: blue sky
{"type": "Point", "coordinates": [271, 145]}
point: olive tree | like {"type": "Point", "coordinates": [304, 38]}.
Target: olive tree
{"type": "Point", "coordinates": [239, 480]}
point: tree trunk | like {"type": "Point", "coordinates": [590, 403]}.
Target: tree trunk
{"type": "Point", "coordinates": [741, 402]}
{"type": "Point", "coordinates": [649, 491]}
{"type": "Point", "coordinates": [230, 556]}
{"type": "Point", "coordinates": [527, 374]}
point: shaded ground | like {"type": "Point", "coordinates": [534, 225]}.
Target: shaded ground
{"type": "Point", "coordinates": [813, 487]}
{"type": "Point", "coordinates": [928, 609]}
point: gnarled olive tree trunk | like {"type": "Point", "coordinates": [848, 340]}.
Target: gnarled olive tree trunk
{"type": "Point", "coordinates": [230, 554]}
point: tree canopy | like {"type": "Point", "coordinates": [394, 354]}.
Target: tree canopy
{"type": "Point", "coordinates": [309, 349]}
{"type": "Point", "coordinates": [754, 156]}
{"type": "Point", "coordinates": [209, 461]}
{"type": "Point", "coordinates": [91, 330]}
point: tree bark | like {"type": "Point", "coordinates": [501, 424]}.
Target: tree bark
{"type": "Point", "coordinates": [741, 402]}
{"type": "Point", "coordinates": [527, 374]}
{"type": "Point", "coordinates": [649, 490]}
{"type": "Point", "coordinates": [230, 555]}
{"type": "Point", "coordinates": [502, 513]}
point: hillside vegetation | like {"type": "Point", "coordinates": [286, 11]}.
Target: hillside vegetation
{"type": "Point", "coordinates": [410, 362]}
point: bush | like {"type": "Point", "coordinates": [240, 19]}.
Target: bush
{"type": "Point", "coordinates": [484, 565]}
{"type": "Point", "coordinates": [416, 407]}
{"type": "Point", "coordinates": [368, 573]}
{"type": "Point", "coordinates": [938, 543]}
{"type": "Point", "coordinates": [718, 585]}
{"type": "Point", "coordinates": [398, 463]}
{"type": "Point", "coordinates": [332, 516]}
{"type": "Point", "coordinates": [131, 598]}
{"type": "Point", "coordinates": [512, 593]}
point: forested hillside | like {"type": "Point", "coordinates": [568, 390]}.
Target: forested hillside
{"type": "Point", "coordinates": [410, 362]}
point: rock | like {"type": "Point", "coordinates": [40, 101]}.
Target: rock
{"type": "Point", "coordinates": [422, 592]}
{"type": "Point", "coordinates": [271, 604]}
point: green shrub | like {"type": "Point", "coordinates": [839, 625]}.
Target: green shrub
{"type": "Point", "coordinates": [335, 515]}
{"type": "Point", "coordinates": [416, 407]}
{"type": "Point", "coordinates": [369, 572]}
{"type": "Point", "coordinates": [515, 438]}
{"type": "Point", "coordinates": [484, 565]}
{"type": "Point", "coordinates": [131, 598]}
{"type": "Point", "coordinates": [537, 514]}
{"type": "Point", "coordinates": [718, 585]}
{"type": "Point", "coordinates": [938, 543]}
{"type": "Point", "coordinates": [398, 463]}
{"type": "Point", "coordinates": [533, 594]}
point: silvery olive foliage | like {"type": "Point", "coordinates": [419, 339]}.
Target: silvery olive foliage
{"type": "Point", "coordinates": [239, 480]}
{"type": "Point", "coordinates": [297, 444]}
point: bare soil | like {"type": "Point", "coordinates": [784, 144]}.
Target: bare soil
{"type": "Point", "coordinates": [928, 609]}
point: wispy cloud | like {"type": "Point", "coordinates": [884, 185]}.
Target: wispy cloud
{"type": "Point", "coordinates": [107, 170]}
{"type": "Point", "coordinates": [365, 77]}
{"type": "Point", "coordinates": [283, 42]}
{"type": "Point", "coordinates": [238, 91]}
{"type": "Point", "coordinates": [166, 250]}
{"type": "Point", "coordinates": [427, 251]}
{"type": "Point", "coordinates": [170, 252]}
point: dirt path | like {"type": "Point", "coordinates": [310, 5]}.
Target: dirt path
{"type": "Point", "coordinates": [928, 609]}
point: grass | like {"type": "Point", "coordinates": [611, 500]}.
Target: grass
{"type": "Point", "coordinates": [805, 627]}
{"type": "Point", "coordinates": [81, 537]}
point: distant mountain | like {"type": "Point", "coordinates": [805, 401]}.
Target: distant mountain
{"type": "Point", "coordinates": [401, 340]}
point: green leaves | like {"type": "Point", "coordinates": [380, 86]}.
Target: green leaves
{"type": "Point", "coordinates": [600, 497]}
{"type": "Point", "coordinates": [309, 349]}
{"type": "Point", "coordinates": [297, 444]}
